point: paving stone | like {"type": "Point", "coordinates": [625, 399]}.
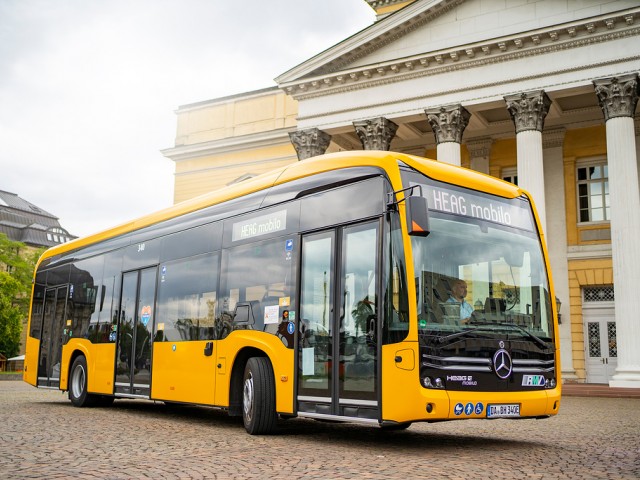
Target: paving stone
{"type": "Point", "coordinates": [44, 436]}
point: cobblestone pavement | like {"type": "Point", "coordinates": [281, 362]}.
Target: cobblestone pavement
{"type": "Point", "coordinates": [43, 436]}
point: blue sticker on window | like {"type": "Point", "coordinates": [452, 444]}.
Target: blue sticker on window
{"type": "Point", "coordinates": [291, 328]}
{"type": "Point", "coordinates": [288, 245]}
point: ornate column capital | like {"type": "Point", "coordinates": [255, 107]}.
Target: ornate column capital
{"type": "Point", "coordinates": [310, 143]}
{"type": "Point", "coordinates": [618, 96]}
{"type": "Point", "coordinates": [376, 133]}
{"type": "Point", "coordinates": [528, 110]}
{"type": "Point", "coordinates": [448, 123]}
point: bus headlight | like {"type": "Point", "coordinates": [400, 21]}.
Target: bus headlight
{"type": "Point", "coordinates": [428, 382]}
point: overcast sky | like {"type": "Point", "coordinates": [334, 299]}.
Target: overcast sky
{"type": "Point", "coordinates": [88, 89]}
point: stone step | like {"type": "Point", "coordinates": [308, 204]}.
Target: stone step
{"type": "Point", "coordinates": [598, 390]}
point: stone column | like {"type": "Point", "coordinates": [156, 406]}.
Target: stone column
{"type": "Point", "coordinates": [310, 142]}
{"type": "Point", "coordinates": [376, 133]}
{"type": "Point", "coordinates": [556, 235]}
{"type": "Point", "coordinates": [637, 124]}
{"type": "Point", "coordinates": [480, 151]}
{"type": "Point", "coordinates": [618, 97]}
{"type": "Point", "coordinates": [528, 111]}
{"type": "Point", "coordinates": [448, 124]}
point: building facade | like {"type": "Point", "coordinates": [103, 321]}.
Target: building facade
{"type": "Point", "coordinates": [542, 93]}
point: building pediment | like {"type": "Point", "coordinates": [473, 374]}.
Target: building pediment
{"type": "Point", "coordinates": [429, 37]}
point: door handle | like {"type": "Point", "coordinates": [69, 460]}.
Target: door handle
{"type": "Point", "coordinates": [208, 349]}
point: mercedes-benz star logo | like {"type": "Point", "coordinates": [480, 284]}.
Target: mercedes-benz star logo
{"type": "Point", "coordinates": [502, 364]}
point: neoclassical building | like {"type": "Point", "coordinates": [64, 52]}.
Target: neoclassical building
{"type": "Point", "coordinates": [540, 93]}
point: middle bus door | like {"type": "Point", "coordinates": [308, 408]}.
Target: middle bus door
{"type": "Point", "coordinates": [337, 345]}
{"type": "Point", "coordinates": [133, 352]}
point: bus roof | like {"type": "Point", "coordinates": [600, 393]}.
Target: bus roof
{"type": "Point", "coordinates": [314, 165]}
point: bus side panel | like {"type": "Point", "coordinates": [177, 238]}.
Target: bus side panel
{"type": "Point", "coordinates": [181, 372]}
{"type": "Point", "coordinates": [68, 350]}
{"type": "Point", "coordinates": [281, 358]}
{"type": "Point", "coordinates": [100, 363]}
{"type": "Point", "coordinates": [403, 398]}
{"type": "Point", "coordinates": [30, 374]}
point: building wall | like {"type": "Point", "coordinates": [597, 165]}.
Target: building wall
{"type": "Point", "coordinates": [232, 138]}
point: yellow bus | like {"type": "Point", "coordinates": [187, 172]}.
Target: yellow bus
{"type": "Point", "coordinates": [370, 287]}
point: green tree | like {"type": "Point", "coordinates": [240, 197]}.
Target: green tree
{"type": "Point", "coordinates": [10, 315]}
{"type": "Point", "coordinates": [16, 272]}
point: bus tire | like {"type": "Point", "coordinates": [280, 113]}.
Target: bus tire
{"type": "Point", "coordinates": [78, 384]}
{"type": "Point", "coordinates": [259, 397]}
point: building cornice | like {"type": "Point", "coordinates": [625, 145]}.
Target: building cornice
{"type": "Point", "coordinates": [228, 145]}
{"type": "Point", "coordinates": [533, 43]}
{"type": "Point", "coordinates": [552, 73]}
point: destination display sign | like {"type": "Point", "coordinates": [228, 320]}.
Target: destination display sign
{"type": "Point", "coordinates": [257, 226]}
{"type": "Point", "coordinates": [510, 212]}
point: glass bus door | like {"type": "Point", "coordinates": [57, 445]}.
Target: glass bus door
{"type": "Point", "coordinates": [52, 336]}
{"type": "Point", "coordinates": [337, 345]}
{"type": "Point", "coordinates": [135, 327]}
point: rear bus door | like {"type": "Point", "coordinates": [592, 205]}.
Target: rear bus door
{"type": "Point", "coordinates": [53, 324]}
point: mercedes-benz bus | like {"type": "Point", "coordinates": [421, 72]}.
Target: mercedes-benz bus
{"type": "Point", "coordinates": [370, 287]}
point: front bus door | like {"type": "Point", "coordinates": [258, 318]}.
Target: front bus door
{"type": "Point", "coordinates": [338, 313]}
{"type": "Point", "coordinates": [133, 353]}
{"type": "Point", "coordinates": [55, 304]}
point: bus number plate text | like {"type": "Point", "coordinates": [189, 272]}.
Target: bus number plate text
{"type": "Point", "coordinates": [506, 410]}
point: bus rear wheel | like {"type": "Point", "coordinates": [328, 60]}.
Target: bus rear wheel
{"type": "Point", "coordinates": [78, 384]}
{"type": "Point", "coordinates": [259, 397]}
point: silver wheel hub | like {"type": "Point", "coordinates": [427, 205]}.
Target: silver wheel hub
{"type": "Point", "coordinates": [247, 398]}
{"type": "Point", "coordinates": [77, 381]}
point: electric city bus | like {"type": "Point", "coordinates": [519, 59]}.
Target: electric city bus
{"type": "Point", "coordinates": [370, 287]}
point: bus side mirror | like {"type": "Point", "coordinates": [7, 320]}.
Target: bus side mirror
{"type": "Point", "coordinates": [417, 211]}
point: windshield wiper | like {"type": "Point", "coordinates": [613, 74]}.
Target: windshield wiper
{"type": "Point", "coordinates": [538, 340]}
{"type": "Point", "coordinates": [462, 333]}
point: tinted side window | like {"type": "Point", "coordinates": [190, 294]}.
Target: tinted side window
{"type": "Point", "coordinates": [261, 276]}
{"type": "Point", "coordinates": [37, 304]}
{"type": "Point", "coordinates": [187, 296]}
{"type": "Point", "coordinates": [343, 204]}
{"type": "Point", "coordinates": [85, 282]}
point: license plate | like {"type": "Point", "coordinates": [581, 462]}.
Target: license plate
{"type": "Point", "coordinates": [506, 410]}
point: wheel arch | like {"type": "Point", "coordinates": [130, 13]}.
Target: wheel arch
{"type": "Point", "coordinates": [75, 352]}
{"type": "Point", "coordinates": [237, 373]}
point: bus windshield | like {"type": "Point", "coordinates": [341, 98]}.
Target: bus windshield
{"type": "Point", "coordinates": [481, 274]}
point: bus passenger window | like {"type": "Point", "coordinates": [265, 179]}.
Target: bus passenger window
{"type": "Point", "coordinates": [187, 297]}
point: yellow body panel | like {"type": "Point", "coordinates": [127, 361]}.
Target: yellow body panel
{"type": "Point", "coordinates": [100, 362]}
{"type": "Point", "coordinates": [30, 373]}
{"type": "Point", "coordinates": [281, 358]}
{"type": "Point", "coordinates": [182, 373]}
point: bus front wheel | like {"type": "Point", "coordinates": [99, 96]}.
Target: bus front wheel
{"type": "Point", "coordinates": [78, 384]}
{"type": "Point", "coordinates": [259, 397]}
